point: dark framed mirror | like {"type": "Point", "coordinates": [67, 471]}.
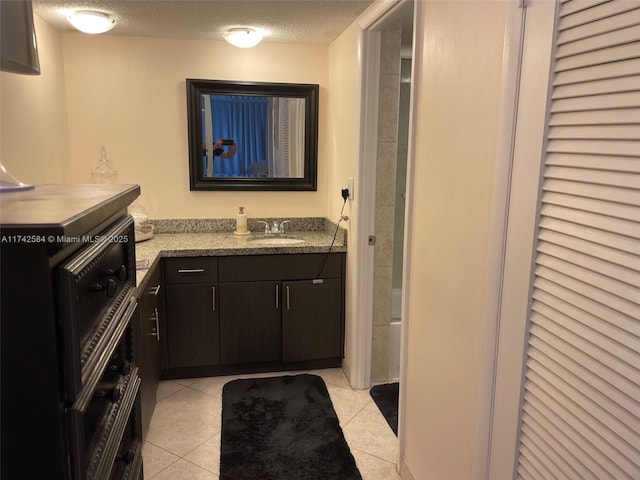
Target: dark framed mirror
{"type": "Point", "coordinates": [252, 136]}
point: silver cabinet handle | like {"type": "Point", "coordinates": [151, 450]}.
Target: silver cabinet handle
{"type": "Point", "coordinates": [277, 297]}
{"type": "Point", "coordinates": [213, 298]}
{"type": "Point", "coordinates": [154, 290]}
{"type": "Point", "coordinates": [190, 270]}
{"type": "Point", "coordinates": [287, 298]}
{"type": "Point", "coordinates": [157, 324]}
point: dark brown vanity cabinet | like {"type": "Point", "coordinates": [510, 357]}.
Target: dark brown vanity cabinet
{"type": "Point", "coordinates": [150, 314]}
{"type": "Point", "coordinates": [312, 319]}
{"type": "Point", "coordinates": [282, 308]}
{"type": "Point", "coordinates": [242, 313]}
{"type": "Point", "coordinates": [250, 327]}
{"type": "Point", "coordinates": [193, 321]}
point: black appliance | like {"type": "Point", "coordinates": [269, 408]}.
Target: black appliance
{"type": "Point", "coordinates": [70, 385]}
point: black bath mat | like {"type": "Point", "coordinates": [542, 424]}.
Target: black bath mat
{"type": "Point", "coordinates": [282, 428]}
{"type": "Point", "coordinates": [386, 397]}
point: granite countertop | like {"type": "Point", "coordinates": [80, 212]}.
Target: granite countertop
{"type": "Point", "coordinates": [224, 244]}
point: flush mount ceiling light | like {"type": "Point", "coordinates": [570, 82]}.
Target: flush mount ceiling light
{"type": "Point", "coordinates": [88, 21]}
{"type": "Point", "coordinates": [243, 37]}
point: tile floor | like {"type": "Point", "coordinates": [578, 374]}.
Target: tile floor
{"type": "Point", "coordinates": [183, 441]}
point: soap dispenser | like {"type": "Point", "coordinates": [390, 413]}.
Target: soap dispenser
{"type": "Point", "coordinates": [241, 223]}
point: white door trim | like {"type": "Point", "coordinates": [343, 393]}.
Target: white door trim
{"type": "Point", "coordinates": [510, 81]}
{"type": "Point", "coordinates": [363, 301]}
{"type": "Point", "coordinates": [520, 236]}
{"type": "Point", "coordinates": [407, 248]}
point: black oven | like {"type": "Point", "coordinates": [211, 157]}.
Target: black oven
{"type": "Point", "coordinates": [96, 292]}
{"type": "Point", "coordinates": [97, 303]}
{"type": "Point", "coordinates": [128, 462]}
{"type": "Point", "coordinates": [101, 418]}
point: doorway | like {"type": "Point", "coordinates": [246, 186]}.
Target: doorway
{"type": "Point", "coordinates": [394, 95]}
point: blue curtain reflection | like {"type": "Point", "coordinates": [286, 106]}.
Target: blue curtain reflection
{"type": "Point", "coordinates": [244, 119]}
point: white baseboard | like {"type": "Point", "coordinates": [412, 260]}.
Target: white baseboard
{"type": "Point", "coordinates": [346, 368]}
{"type": "Point", "coordinates": [405, 473]}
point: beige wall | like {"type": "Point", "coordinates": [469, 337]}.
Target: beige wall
{"type": "Point", "coordinates": [34, 136]}
{"type": "Point", "coordinates": [343, 144]}
{"type": "Point", "coordinates": [459, 57]}
{"type": "Point", "coordinates": [129, 94]}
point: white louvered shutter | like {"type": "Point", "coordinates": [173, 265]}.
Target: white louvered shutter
{"type": "Point", "coordinates": [580, 416]}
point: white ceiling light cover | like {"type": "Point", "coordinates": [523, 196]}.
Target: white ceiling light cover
{"type": "Point", "coordinates": [243, 37]}
{"type": "Point", "coordinates": [91, 22]}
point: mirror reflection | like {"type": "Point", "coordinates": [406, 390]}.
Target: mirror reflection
{"type": "Point", "coordinates": [252, 136]}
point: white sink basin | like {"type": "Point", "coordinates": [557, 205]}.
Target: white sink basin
{"type": "Point", "coordinates": [276, 241]}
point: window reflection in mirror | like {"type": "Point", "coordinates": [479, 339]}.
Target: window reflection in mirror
{"type": "Point", "coordinates": [252, 136]}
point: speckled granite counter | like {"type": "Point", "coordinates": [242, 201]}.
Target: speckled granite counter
{"type": "Point", "coordinates": [224, 244]}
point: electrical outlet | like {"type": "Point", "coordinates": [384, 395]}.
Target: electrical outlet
{"type": "Point", "coordinates": [350, 187]}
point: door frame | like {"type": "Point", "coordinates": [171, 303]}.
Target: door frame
{"type": "Point", "coordinates": [520, 235]}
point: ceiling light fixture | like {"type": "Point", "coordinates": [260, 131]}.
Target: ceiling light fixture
{"type": "Point", "coordinates": [88, 21]}
{"type": "Point", "coordinates": [243, 37]}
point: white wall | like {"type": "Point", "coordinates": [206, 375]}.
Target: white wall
{"type": "Point", "coordinates": [459, 49]}
{"type": "Point", "coordinates": [129, 94]}
{"type": "Point", "coordinates": [34, 135]}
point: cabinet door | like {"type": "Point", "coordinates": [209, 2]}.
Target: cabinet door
{"type": "Point", "coordinates": [312, 319]}
{"type": "Point", "coordinates": [250, 326]}
{"type": "Point", "coordinates": [192, 325]}
{"type": "Point", "coordinates": [149, 346]}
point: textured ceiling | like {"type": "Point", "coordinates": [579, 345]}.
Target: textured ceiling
{"type": "Point", "coordinates": [292, 21]}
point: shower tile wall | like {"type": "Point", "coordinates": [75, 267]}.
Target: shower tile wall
{"type": "Point", "coordinates": [401, 171]}
{"type": "Point", "coordinates": [385, 197]}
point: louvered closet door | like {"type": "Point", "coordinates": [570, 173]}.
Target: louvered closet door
{"type": "Point", "coordinates": [580, 417]}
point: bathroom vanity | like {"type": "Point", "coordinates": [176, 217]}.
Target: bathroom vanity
{"type": "Point", "coordinates": [219, 304]}
{"type": "Point", "coordinates": [244, 310]}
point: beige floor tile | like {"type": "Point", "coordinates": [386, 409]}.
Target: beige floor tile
{"type": "Point", "coordinates": [213, 385]}
{"type": "Point", "coordinates": [185, 381]}
{"type": "Point", "coordinates": [370, 433]}
{"type": "Point", "coordinates": [207, 455]}
{"type": "Point", "coordinates": [334, 376]}
{"type": "Point", "coordinates": [184, 420]}
{"type": "Point", "coordinates": [183, 470]}
{"type": "Point", "coordinates": [374, 468]}
{"type": "Point", "coordinates": [184, 435]}
{"type": "Point", "coordinates": [155, 459]}
{"type": "Point", "coordinates": [166, 388]}
{"type": "Point", "coordinates": [347, 402]}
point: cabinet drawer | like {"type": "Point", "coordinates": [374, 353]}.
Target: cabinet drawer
{"type": "Point", "coordinates": [255, 268]}
{"type": "Point", "coordinates": [191, 270]}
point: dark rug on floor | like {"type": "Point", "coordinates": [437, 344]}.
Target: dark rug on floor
{"type": "Point", "coordinates": [386, 397]}
{"type": "Point", "coordinates": [282, 428]}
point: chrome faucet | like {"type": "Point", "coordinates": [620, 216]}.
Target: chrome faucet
{"type": "Point", "coordinates": [282, 226]}
{"type": "Point", "coordinates": [267, 229]}
{"type": "Point", "coordinates": [275, 228]}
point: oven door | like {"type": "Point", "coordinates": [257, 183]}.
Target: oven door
{"type": "Point", "coordinates": [102, 417]}
{"type": "Point", "coordinates": [128, 462]}
{"type": "Point", "coordinates": [96, 287]}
